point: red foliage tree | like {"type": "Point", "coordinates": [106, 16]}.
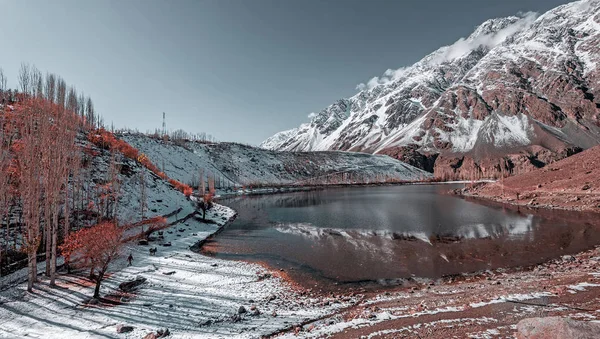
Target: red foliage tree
{"type": "Point", "coordinates": [205, 204]}
{"type": "Point", "coordinates": [94, 248]}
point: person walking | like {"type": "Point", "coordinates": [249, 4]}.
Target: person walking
{"type": "Point", "coordinates": [130, 259]}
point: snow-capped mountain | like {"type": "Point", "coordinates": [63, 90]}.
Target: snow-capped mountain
{"type": "Point", "coordinates": [526, 85]}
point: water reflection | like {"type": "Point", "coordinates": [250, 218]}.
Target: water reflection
{"type": "Point", "coordinates": [371, 233]}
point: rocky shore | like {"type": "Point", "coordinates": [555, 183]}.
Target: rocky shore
{"type": "Point", "coordinates": [485, 305]}
{"type": "Point", "coordinates": [570, 184]}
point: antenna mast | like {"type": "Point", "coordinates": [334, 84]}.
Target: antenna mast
{"type": "Point", "coordinates": [164, 125]}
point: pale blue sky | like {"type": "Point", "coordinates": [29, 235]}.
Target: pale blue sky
{"type": "Point", "coordinates": [238, 69]}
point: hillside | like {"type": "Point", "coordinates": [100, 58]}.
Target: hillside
{"type": "Point", "coordinates": [515, 95]}
{"type": "Point", "coordinates": [572, 183]}
{"type": "Point", "coordinates": [161, 196]}
{"type": "Point", "coordinates": [244, 165]}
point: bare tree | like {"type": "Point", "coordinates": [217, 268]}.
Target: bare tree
{"type": "Point", "coordinates": [211, 184]}
{"type": "Point", "coordinates": [65, 133]}
{"type": "Point", "coordinates": [4, 178]}
{"type": "Point", "coordinates": [114, 188]}
{"type": "Point", "coordinates": [81, 107]}
{"type": "Point", "coordinates": [89, 111]}
{"type": "Point", "coordinates": [31, 166]}
{"type": "Point", "coordinates": [51, 87]}
{"type": "Point", "coordinates": [61, 92]}
{"type": "Point", "coordinates": [2, 85]}
{"type": "Point", "coordinates": [201, 184]}
{"type": "Point", "coordinates": [37, 81]}
{"type": "Point", "coordinates": [143, 197]}
{"type": "Point", "coordinates": [72, 104]}
{"type": "Point", "coordinates": [39, 164]}
{"type": "Point", "coordinates": [25, 78]}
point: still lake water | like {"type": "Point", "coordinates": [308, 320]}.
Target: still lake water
{"type": "Point", "coordinates": [390, 233]}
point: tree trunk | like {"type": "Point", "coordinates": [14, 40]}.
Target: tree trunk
{"type": "Point", "coordinates": [97, 289]}
{"type": "Point", "coordinates": [53, 254]}
{"type": "Point", "coordinates": [30, 262]}
{"type": "Point", "coordinates": [67, 213]}
{"type": "Point", "coordinates": [34, 268]}
{"type": "Point", "coordinates": [48, 239]}
{"type": "Point", "coordinates": [98, 282]}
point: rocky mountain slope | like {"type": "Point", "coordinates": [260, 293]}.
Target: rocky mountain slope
{"type": "Point", "coordinates": [244, 165]}
{"type": "Point", "coordinates": [572, 184]}
{"type": "Point", "coordinates": [518, 93]}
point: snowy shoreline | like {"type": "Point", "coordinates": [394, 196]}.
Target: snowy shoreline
{"type": "Point", "coordinates": [193, 295]}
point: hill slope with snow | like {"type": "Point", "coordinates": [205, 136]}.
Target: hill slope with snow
{"type": "Point", "coordinates": [524, 89]}
{"type": "Point", "coordinates": [245, 165]}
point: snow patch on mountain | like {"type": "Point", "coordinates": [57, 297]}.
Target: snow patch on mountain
{"type": "Point", "coordinates": [490, 34]}
{"type": "Point", "coordinates": [507, 131]}
{"type": "Point", "coordinates": [278, 138]}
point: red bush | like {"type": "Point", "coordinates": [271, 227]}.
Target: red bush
{"type": "Point", "coordinates": [185, 189]}
{"type": "Point", "coordinates": [106, 140]}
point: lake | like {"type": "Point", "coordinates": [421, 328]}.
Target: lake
{"type": "Point", "coordinates": [386, 234]}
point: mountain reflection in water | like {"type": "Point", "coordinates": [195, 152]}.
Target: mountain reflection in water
{"type": "Point", "coordinates": [391, 232]}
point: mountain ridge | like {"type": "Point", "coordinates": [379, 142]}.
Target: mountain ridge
{"type": "Point", "coordinates": [523, 87]}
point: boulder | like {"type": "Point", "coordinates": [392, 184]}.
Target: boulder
{"type": "Point", "coordinates": [163, 333]}
{"type": "Point", "coordinates": [124, 328]}
{"type": "Point", "coordinates": [131, 285]}
{"type": "Point", "coordinates": [241, 310]}
{"type": "Point", "coordinates": [556, 328]}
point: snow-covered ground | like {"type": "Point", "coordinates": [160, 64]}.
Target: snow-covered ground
{"type": "Point", "coordinates": [199, 298]}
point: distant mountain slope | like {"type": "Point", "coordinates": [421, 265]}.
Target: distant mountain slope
{"type": "Point", "coordinates": [245, 165]}
{"type": "Point", "coordinates": [525, 89]}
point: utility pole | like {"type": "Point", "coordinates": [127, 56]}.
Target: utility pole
{"type": "Point", "coordinates": [164, 125]}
